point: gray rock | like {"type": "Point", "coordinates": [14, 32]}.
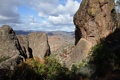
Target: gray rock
{"type": "Point", "coordinates": [38, 42]}
{"type": "Point", "coordinates": [10, 50]}
{"type": "Point", "coordinates": [80, 52]}
{"type": "Point", "coordinates": [23, 39]}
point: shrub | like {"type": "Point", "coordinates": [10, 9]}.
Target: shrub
{"type": "Point", "coordinates": [103, 58]}
{"type": "Point", "coordinates": [34, 69]}
{"type": "Point", "coordinates": [28, 71]}
{"type": "Point", "coordinates": [55, 71]}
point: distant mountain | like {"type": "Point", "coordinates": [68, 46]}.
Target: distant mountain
{"type": "Point", "coordinates": [49, 33]}
{"type": "Point", "coordinates": [22, 32]}
{"type": "Point", "coordinates": [65, 35]}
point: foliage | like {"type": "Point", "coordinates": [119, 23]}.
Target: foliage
{"type": "Point", "coordinates": [28, 71]}
{"type": "Point", "coordinates": [35, 69]}
{"type": "Point", "coordinates": [100, 59]}
{"type": "Point", "coordinates": [5, 74]}
{"type": "Point", "coordinates": [103, 58]}
{"type": "Point", "coordinates": [91, 11]}
{"type": "Point", "coordinates": [83, 69]}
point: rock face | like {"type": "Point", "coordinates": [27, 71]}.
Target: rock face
{"type": "Point", "coordinates": [23, 39]}
{"type": "Point", "coordinates": [38, 42]}
{"type": "Point", "coordinates": [79, 53]}
{"type": "Point", "coordinates": [81, 50]}
{"type": "Point", "coordinates": [10, 50]}
{"type": "Point", "coordinates": [94, 20]}
{"type": "Point", "coordinates": [35, 45]}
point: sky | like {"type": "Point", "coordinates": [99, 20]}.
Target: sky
{"type": "Point", "coordinates": [39, 15]}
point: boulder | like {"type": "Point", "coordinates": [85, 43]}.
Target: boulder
{"type": "Point", "coordinates": [38, 42]}
{"type": "Point", "coordinates": [94, 20]}
{"type": "Point", "coordinates": [10, 50]}
{"type": "Point", "coordinates": [80, 52]}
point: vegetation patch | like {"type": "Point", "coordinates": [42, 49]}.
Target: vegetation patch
{"type": "Point", "coordinates": [48, 69]}
{"type": "Point", "coordinates": [103, 58]}
{"type": "Point", "coordinates": [91, 11]}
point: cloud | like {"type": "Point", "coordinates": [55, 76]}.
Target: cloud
{"type": "Point", "coordinates": [70, 7]}
{"type": "Point", "coordinates": [61, 19]}
{"type": "Point", "coordinates": [44, 7]}
{"type": "Point", "coordinates": [58, 15]}
{"type": "Point", "coordinates": [50, 15]}
{"type": "Point", "coordinates": [41, 15]}
{"type": "Point", "coordinates": [54, 7]}
{"type": "Point", "coordinates": [8, 11]}
{"type": "Point", "coordinates": [32, 20]}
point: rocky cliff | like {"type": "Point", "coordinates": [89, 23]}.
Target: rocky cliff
{"type": "Point", "coordinates": [10, 50]}
{"type": "Point", "coordinates": [96, 24]}
{"type": "Point", "coordinates": [94, 20]}
{"type": "Point", "coordinates": [35, 45]}
{"type": "Point", "coordinates": [14, 48]}
{"type": "Point", "coordinates": [24, 42]}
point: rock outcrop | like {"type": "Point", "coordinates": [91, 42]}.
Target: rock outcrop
{"type": "Point", "coordinates": [10, 50]}
{"type": "Point", "coordinates": [79, 53]}
{"type": "Point", "coordinates": [14, 48]}
{"type": "Point", "coordinates": [94, 20]}
{"type": "Point", "coordinates": [24, 42]}
{"type": "Point", "coordinates": [38, 42]}
{"type": "Point", "coordinates": [81, 50]}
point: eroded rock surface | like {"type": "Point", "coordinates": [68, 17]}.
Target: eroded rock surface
{"type": "Point", "coordinates": [10, 50]}
{"type": "Point", "coordinates": [38, 42]}
{"type": "Point", "coordinates": [23, 39]}
{"type": "Point", "coordinates": [79, 53]}
{"type": "Point", "coordinates": [94, 20]}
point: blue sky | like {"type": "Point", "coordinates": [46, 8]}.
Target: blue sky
{"type": "Point", "coordinates": [39, 15]}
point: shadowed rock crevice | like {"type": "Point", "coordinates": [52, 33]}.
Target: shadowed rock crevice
{"type": "Point", "coordinates": [78, 35]}
{"type": "Point", "coordinates": [30, 52]}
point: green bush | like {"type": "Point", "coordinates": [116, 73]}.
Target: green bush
{"type": "Point", "coordinates": [27, 71]}
{"type": "Point", "coordinates": [103, 58]}
{"type": "Point", "coordinates": [49, 69]}
{"type": "Point", "coordinates": [55, 71]}
{"type": "Point", "coordinates": [83, 69]}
